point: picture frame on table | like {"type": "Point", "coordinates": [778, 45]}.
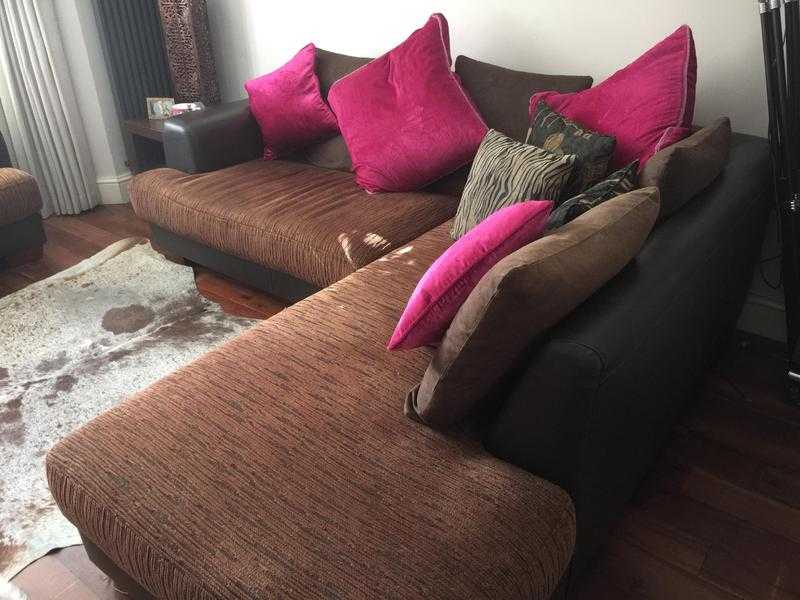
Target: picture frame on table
{"type": "Point", "coordinates": [159, 108]}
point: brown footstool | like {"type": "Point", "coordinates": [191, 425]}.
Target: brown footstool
{"type": "Point", "coordinates": [21, 233]}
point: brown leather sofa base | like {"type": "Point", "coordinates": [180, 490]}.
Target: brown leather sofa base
{"type": "Point", "coordinates": [281, 465]}
{"type": "Point", "coordinates": [272, 281]}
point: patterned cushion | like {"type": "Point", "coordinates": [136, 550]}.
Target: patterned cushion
{"type": "Point", "coordinates": [506, 172]}
{"type": "Point", "coordinates": [556, 133]}
{"type": "Point", "coordinates": [621, 182]}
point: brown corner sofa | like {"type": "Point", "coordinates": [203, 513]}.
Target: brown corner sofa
{"type": "Point", "coordinates": [281, 465]}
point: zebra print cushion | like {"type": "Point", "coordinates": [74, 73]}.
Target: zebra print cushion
{"type": "Point", "coordinates": [505, 172]}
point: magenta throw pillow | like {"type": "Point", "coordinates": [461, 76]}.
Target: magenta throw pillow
{"type": "Point", "coordinates": [405, 117]}
{"type": "Point", "coordinates": [450, 279]}
{"type": "Point", "coordinates": [289, 108]}
{"type": "Point", "coordinates": [646, 106]}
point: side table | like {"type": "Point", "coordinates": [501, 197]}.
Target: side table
{"type": "Point", "coordinates": [147, 139]}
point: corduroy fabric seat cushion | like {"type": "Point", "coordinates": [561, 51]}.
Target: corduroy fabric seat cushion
{"type": "Point", "coordinates": [19, 196]}
{"type": "Point", "coordinates": [315, 224]}
{"type": "Point", "coordinates": [281, 466]}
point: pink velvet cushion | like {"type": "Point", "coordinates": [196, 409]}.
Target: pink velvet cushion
{"type": "Point", "coordinates": [647, 106]}
{"type": "Point", "coordinates": [289, 107]}
{"type": "Point", "coordinates": [449, 280]}
{"type": "Point", "coordinates": [405, 117]}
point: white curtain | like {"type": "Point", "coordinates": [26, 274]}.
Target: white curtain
{"type": "Point", "coordinates": [43, 125]}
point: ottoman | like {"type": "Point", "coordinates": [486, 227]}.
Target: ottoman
{"type": "Point", "coordinates": [21, 233]}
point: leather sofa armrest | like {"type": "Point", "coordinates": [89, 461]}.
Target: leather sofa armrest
{"type": "Point", "coordinates": [214, 138]}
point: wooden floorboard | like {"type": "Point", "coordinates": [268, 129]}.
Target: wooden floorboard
{"type": "Point", "coordinates": [717, 519]}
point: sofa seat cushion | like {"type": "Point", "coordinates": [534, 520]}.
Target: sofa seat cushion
{"type": "Point", "coordinates": [315, 224]}
{"type": "Point", "coordinates": [19, 196]}
{"type": "Point", "coordinates": [281, 466]}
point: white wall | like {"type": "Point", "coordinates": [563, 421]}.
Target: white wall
{"type": "Point", "coordinates": [594, 37]}
{"type": "Point", "coordinates": [82, 46]}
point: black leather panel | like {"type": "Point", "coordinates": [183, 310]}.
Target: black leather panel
{"type": "Point", "coordinates": [598, 399]}
{"type": "Point", "coordinates": [214, 138]}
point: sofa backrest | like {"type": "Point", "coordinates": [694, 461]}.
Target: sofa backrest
{"type": "Point", "coordinates": [332, 66]}
{"type": "Point", "coordinates": [502, 95]}
{"type": "Point", "coordinates": [333, 153]}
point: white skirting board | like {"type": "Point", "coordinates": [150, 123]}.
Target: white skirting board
{"type": "Point", "coordinates": [114, 190]}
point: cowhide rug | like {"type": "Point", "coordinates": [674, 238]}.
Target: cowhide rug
{"type": "Point", "coordinates": [74, 345]}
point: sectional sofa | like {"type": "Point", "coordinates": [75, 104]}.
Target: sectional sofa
{"type": "Point", "coordinates": [282, 465]}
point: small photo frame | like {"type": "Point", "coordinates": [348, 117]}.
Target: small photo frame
{"type": "Point", "coordinates": [159, 108]}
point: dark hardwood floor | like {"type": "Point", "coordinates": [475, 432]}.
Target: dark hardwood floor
{"type": "Point", "coordinates": [718, 519]}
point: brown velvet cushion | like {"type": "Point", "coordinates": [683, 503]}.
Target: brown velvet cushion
{"type": "Point", "coordinates": [503, 95]}
{"type": "Point", "coordinates": [312, 223]}
{"type": "Point", "coordinates": [19, 196]}
{"type": "Point", "coordinates": [332, 153]}
{"type": "Point", "coordinates": [281, 466]}
{"type": "Point", "coordinates": [524, 295]}
{"type": "Point", "coordinates": [683, 170]}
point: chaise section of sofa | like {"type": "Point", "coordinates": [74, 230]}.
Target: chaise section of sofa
{"type": "Point", "coordinates": [282, 466]}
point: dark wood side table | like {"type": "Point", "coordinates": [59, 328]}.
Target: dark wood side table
{"type": "Point", "coordinates": [147, 140]}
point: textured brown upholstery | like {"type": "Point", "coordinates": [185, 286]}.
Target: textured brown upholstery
{"type": "Point", "coordinates": [315, 224]}
{"type": "Point", "coordinates": [281, 466]}
{"type": "Point", "coordinates": [19, 196]}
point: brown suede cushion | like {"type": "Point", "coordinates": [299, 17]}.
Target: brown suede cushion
{"type": "Point", "coordinates": [332, 66]}
{"type": "Point", "coordinates": [332, 153]}
{"type": "Point", "coordinates": [683, 170]}
{"type": "Point", "coordinates": [281, 466]}
{"type": "Point", "coordinates": [313, 223]}
{"type": "Point", "coordinates": [503, 95]}
{"type": "Point", "coordinates": [19, 196]}
{"type": "Point", "coordinates": [524, 295]}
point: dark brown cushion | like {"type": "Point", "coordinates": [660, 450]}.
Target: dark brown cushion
{"type": "Point", "coordinates": [281, 466]}
{"type": "Point", "coordinates": [503, 95]}
{"type": "Point", "coordinates": [524, 295]}
{"type": "Point", "coordinates": [312, 223]}
{"type": "Point", "coordinates": [19, 196]}
{"type": "Point", "coordinates": [332, 153]}
{"type": "Point", "coordinates": [329, 154]}
{"type": "Point", "coordinates": [683, 170]}
{"type": "Point", "coordinates": [332, 66]}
